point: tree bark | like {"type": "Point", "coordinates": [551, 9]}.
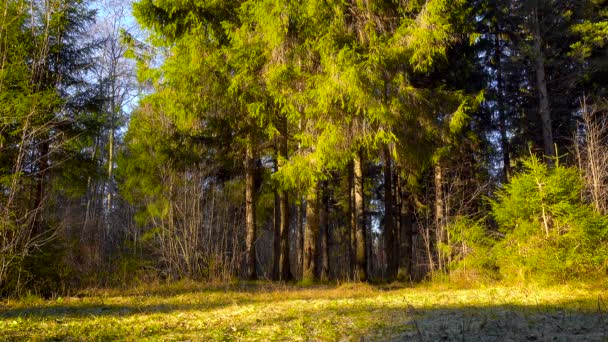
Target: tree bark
{"type": "Point", "coordinates": [361, 241]}
{"type": "Point", "coordinates": [284, 262]}
{"type": "Point", "coordinates": [541, 87]}
{"type": "Point", "coordinates": [352, 233]}
{"type": "Point", "coordinates": [405, 239]}
{"type": "Point", "coordinates": [439, 213]}
{"type": "Point", "coordinates": [389, 218]}
{"type": "Point", "coordinates": [300, 209]}
{"type": "Point", "coordinates": [311, 234]}
{"type": "Point", "coordinates": [324, 233]}
{"type": "Point", "coordinates": [250, 212]}
{"type": "Point", "coordinates": [276, 260]}
{"type": "Point", "coordinates": [285, 265]}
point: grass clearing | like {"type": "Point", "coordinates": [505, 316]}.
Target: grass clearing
{"type": "Point", "coordinates": [263, 311]}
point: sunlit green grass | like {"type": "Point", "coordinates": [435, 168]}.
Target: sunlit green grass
{"type": "Point", "coordinates": [262, 311]}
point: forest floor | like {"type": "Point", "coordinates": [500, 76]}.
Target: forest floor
{"type": "Point", "coordinates": [264, 311]}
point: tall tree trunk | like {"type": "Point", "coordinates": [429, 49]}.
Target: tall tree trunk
{"type": "Point", "coordinates": [285, 265]}
{"type": "Point", "coordinates": [405, 238]}
{"type": "Point", "coordinates": [110, 161]}
{"type": "Point", "coordinates": [111, 143]}
{"type": "Point", "coordinates": [361, 245]}
{"type": "Point", "coordinates": [300, 209]}
{"type": "Point", "coordinates": [439, 214]}
{"type": "Point", "coordinates": [276, 255]}
{"type": "Point", "coordinates": [324, 233]}
{"type": "Point", "coordinates": [250, 212]}
{"type": "Point", "coordinates": [91, 194]}
{"type": "Point", "coordinates": [541, 87]}
{"type": "Point", "coordinates": [352, 233]}
{"type": "Point", "coordinates": [389, 218]}
{"type": "Point", "coordinates": [42, 165]}
{"type": "Point", "coordinates": [108, 211]}
{"type": "Point", "coordinates": [502, 117]}
{"type": "Point", "coordinates": [311, 234]}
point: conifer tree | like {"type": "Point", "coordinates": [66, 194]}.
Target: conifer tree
{"type": "Point", "coordinates": [46, 129]}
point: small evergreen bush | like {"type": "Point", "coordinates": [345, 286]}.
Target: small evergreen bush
{"type": "Point", "coordinates": [549, 232]}
{"type": "Point", "coordinates": [545, 230]}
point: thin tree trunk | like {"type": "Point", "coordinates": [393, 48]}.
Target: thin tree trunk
{"type": "Point", "coordinates": [250, 212]}
{"type": "Point", "coordinates": [285, 265]}
{"type": "Point", "coordinates": [541, 87]}
{"type": "Point", "coordinates": [352, 233]}
{"type": "Point", "coordinates": [439, 213]}
{"type": "Point", "coordinates": [276, 256]}
{"type": "Point", "coordinates": [504, 141]}
{"type": "Point", "coordinates": [361, 241]}
{"type": "Point", "coordinates": [42, 164]}
{"type": "Point", "coordinates": [311, 234]}
{"type": "Point", "coordinates": [276, 223]}
{"type": "Point", "coordinates": [90, 185]}
{"type": "Point", "coordinates": [110, 165]}
{"type": "Point", "coordinates": [113, 114]}
{"type": "Point", "coordinates": [324, 233]}
{"type": "Point", "coordinates": [405, 239]}
{"type": "Point", "coordinates": [300, 209]}
{"type": "Point", "coordinates": [389, 218]}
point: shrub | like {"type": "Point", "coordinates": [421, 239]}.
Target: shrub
{"type": "Point", "coordinates": [547, 230]}
{"type": "Point", "coordinates": [471, 246]}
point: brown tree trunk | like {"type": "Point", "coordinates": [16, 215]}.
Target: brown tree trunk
{"type": "Point", "coordinates": [311, 234]}
{"type": "Point", "coordinates": [250, 212]}
{"type": "Point", "coordinates": [284, 262]}
{"type": "Point", "coordinates": [389, 218]}
{"type": "Point", "coordinates": [324, 233]}
{"type": "Point", "coordinates": [352, 233]}
{"type": "Point", "coordinates": [541, 87]}
{"type": "Point", "coordinates": [361, 245]}
{"type": "Point", "coordinates": [405, 240]}
{"type": "Point", "coordinates": [276, 255]}
{"type": "Point", "coordinates": [285, 265]}
{"type": "Point", "coordinates": [439, 213]}
{"type": "Point", "coordinates": [300, 227]}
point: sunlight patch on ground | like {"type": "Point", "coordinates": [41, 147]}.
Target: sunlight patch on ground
{"type": "Point", "coordinates": [190, 311]}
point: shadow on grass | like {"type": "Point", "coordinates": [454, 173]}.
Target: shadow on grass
{"type": "Point", "coordinates": [467, 323]}
{"type": "Point", "coordinates": [368, 322]}
{"type": "Point", "coordinates": [288, 316]}
{"type": "Point", "coordinates": [506, 323]}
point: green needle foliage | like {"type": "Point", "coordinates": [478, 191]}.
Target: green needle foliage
{"type": "Point", "coordinates": [548, 230]}
{"type": "Point", "coordinates": [315, 140]}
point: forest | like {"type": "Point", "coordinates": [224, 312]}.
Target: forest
{"type": "Point", "coordinates": [301, 143]}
